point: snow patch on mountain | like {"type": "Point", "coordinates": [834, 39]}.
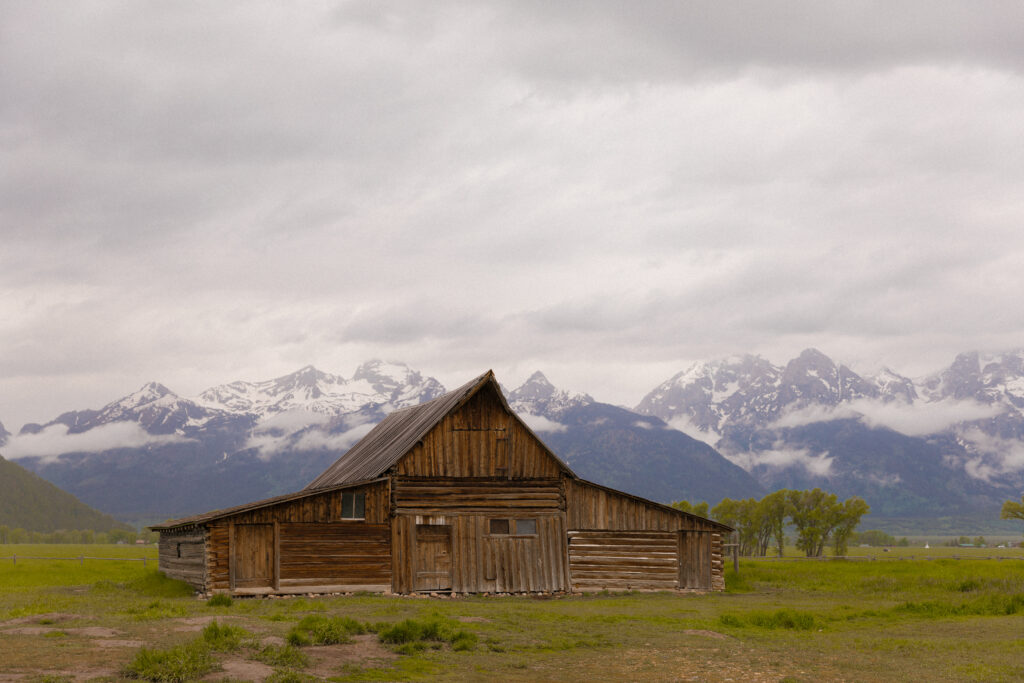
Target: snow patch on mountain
{"type": "Point", "coordinates": [537, 396]}
{"type": "Point", "coordinates": [390, 385]}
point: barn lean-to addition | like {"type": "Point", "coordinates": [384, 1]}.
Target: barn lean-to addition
{"type": "Point", "coordinates": [453, 495]}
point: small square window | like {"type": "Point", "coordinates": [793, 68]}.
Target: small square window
{"type": "Point", "coordinates": [526, 527]}
{"type": "Point", "coordinates": [499, 526]}
{"type": "Point", "coordinates": [353, 505]}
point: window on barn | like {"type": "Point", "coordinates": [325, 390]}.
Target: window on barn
{"type": "Point", "coordinates": [515, 527]}
{"type": "Point", "coordinates": [353, 505]}
{"type": "Point", "coordinates": [526, 527]}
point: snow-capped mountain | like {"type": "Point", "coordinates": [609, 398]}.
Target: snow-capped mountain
{"type": "Point", "coordinates": [749, 390]}
{"type": "Point", "coordinates": [537, 396]}
{"type": "Point", "coordinates": [388, 385]}
{"type": "Point", "coordinates": [954, 435]}
{"type": "Point", "coordinates": [952, 441]}
{"type": "Point", "coordinates": [622, 449]}
{"type": "Point", "coordinates": [3, 434]}
{"type": "Point", "coordinates": [235, 442]}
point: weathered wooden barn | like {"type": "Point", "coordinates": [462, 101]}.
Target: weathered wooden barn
{"type": "Point", "coordinates": [454, 495]}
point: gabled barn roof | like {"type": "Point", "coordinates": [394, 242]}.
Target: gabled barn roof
{"type": "Point", "coordinates": [396, 434]}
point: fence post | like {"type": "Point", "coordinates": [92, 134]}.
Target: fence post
{"type": "Point", "coordinates": [15, 558]}
{"type": "Point", "coordinates": [81, 561]}
{"type": "Point", "coordinates": [143, 563]}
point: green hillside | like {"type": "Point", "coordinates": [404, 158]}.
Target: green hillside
{"type": "Point", "coordinates": [34, 504]}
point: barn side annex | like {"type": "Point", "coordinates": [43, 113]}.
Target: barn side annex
{"type": "Point", "coordinates": [453, 495]}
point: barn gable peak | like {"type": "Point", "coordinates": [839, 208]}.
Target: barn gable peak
{"type": "Point", "coordinates": [400, 432]}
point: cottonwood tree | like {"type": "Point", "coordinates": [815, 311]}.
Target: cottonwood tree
{"type": "Point", "coordinates": [818, 515]}
{"type": "Point", "coordinates": [1013, 509]}
{"type": "Point", "coordinates": [700, 509]}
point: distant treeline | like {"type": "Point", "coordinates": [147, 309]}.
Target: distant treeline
{"type": "Point", "coordinates": [10, 535]}
{"type": "Point", "coordinates": [818, 517]}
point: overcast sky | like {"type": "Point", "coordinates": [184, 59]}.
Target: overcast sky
{"type": "Point", "coordinates": [203, 192]}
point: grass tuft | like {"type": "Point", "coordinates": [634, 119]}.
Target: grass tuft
{"type": "Point", "coordinates": [285, 656]}
{"type": "Point", "coordinates": [219, 600]}
{"type": "Point", "coordinates": [224, 638]}
{"type": "Point", "coordinates": [317, 629]}
{"type": "Point", "coordinates": [186, 662]}
{"type": "Point", "coordinates": [779, 619]}
{"type": "Point", "coordinates": [412, 634]}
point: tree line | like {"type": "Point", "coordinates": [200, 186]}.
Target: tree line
{"type": "Point", "coordinates": [76, 536]}
{"type": "Point", "coordinates": [818, 517]}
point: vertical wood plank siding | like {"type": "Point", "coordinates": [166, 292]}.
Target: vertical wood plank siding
{"type": "Point", "coordinates": [482, 562]}
{"type": "Point", "coordinates": [182, 556]}
{"type": "Point", "coordinates": [479, 439]}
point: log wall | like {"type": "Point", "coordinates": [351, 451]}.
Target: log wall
{"type": "Point", "coordinates": [337, 554]}
{"type": "Point", "coordinates": [589, 507]}
{"type": "Point", "coordinates": [624, 560]}
{"type": "Point", "coordinates": [182, 556]}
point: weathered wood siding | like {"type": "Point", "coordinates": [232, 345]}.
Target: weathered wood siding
{"type": "Point", "coordinates": [296, 523]}
{"type": "Point", "coordinates": [335, 554]}
{"type": "Point", "coordinates": [589, 507]}
{"type": "Point", "coordinates": [430, 495]}
{"type": "Point", "coordinates": [182, 556]}
{"type": "Point", "coordinates": [461, 554]}
{"type": "Point", "coordinates": [624, 560]}
{"type": "Point", "coordinates": [481, 562]}
{"type": "Point", "coordinates": [480, 439]}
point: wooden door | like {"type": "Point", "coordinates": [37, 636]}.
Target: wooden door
{"type": "Point", "coordinates": [695, 559]}
{"type": "Point", "coordinates": [433, 557]}
{"type": "Point", "coordinates": [253, 556]}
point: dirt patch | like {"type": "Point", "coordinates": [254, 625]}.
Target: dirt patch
{"type": "Point", "coordinates": [31, 630]}
{"type": "Point", "coordinates": [95, 632]}
{"type": "Point", "coordinates": [363, 651]}
{"type": "Point", "coordinates": [87, 631]}
{"type": "Point", "coordinates": [115, 642]}
{"type": "Point", "coordinates": [709, 634]}
{"type": "Point", "coordinates": [51, 618]}
{"type": "Point", "coordinates": [473, 620]}
{"type": "Point", "coordinates": [276, 641]}
{"type": "Point", "coordinates": [188, 624]}
{"type": "Point", "coordinates": [241, 670]}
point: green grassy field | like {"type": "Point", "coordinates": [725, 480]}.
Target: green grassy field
{"type": "Point", "coordinates": [795, 620]}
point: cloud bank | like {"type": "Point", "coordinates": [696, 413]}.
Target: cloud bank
{"type": "Point", "coordinates": [55, 441]}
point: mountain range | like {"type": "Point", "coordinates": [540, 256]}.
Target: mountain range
{"type": "Point", "coordinates": [949, 443]}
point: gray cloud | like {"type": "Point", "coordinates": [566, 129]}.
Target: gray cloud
{"type": "Point", "coordinates": [200, 193]}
